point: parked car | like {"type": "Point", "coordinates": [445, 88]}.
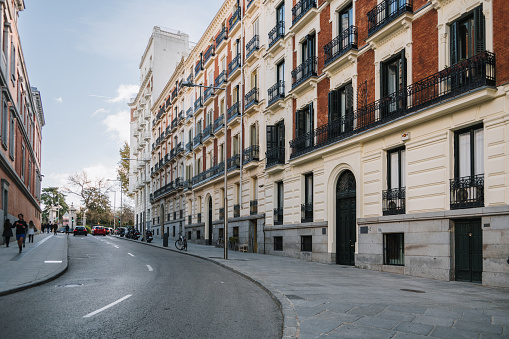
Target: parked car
{"type": "Point", "coordinates": [61, 230]}
{"type": "Point", "coordinates": [80, 230]}
{"type": "Point", "coordinates": [98, 230]}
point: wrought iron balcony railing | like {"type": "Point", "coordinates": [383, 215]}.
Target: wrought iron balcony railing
{"type": "Point", "coordinates": [233, 163]}
{"type": "Point", "coordinates": [198, 104]}
{"type": "Point", "coordinates": [275, 156]}
{"type": "Point", "coordinates": [209, 174]}
{"type": "Point", "coordinates": [386, 12]}
{"type": "Point", "coordinates": [207, 132]}
{"type": "Point", "coordinates": [223, 35]}
{"type": "Point", "coordinates": [179, 148]}
{"type": "Point", "coordinates": [174, 93]}
{"type": "Point", "coordinates": [234, 65]}
{"type": "Point", "coordinates": [393, 201]}
{"type": "Point", "coordinates": [253, 207]}
{"type": "Point", "coordinates": [236, 210]}
{"type": "Point", "coordinates": [189, 113]}
{"type": "Point", "coordinates": [467, 192]}
{"type": "Point", "coordinates": [233, 111]}
{"type": "Point", "coordinates": [341, 44]}
{"type": "Point", "coordinates": [460, 78]}
{"type": "Point", "coordinates": [197, 139]}
{"type": "Point", "coordinates": [220, 79]}
{"type": "Point", "coordinates": [208, 93]}
{"type": "Point", "coordinates": [278, 216]}
{"type": "Point", "coordinates": [209, 53]}
{"type": "Point", "coordinates": [251, 98]}
{"type": "Point", "coordinates": [304, 71]}
{"type": "Point", "coordinates": [252, 153]}
{"type": "Point", "coordinates": [306, 212]}
{"type": "Point", "coordinates": [174, 123]}
{"type": "Point", "coordinates": [276, 92]}
{"type": "Point", "coordinates": [252, 45]}
{"type": "Point", "coordinates": [198, 68]}
{"type": "Point", "coordinates": [167, 103]}
{"type": "Point", "coordinates": [301, 8]}
{"type": "Point", "coordinates": [181, 115]}
{"type": "Point", "coordinates": [276, 33]}
{"type": "Point", "coordinates": [218, 123]}
{"type": "Point", "coordinates": [190, 78]}
{"type": "Point", "coordinates": [189, 147]}
{"type": "Point", "coordinates": [234, 19]}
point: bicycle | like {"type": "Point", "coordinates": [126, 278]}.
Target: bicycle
{"type": "Point", "coordinates": [220, 243]}
{"type": "Point", "coordinates": [181, 243]}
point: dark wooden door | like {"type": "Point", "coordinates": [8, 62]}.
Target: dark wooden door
{"type": "Point", "coordinates": [345, 219]}
{"type": "Point", "coordinates": [468, 250]}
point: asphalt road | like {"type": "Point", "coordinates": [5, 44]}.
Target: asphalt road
{"type": "Point", "coordinates": [151, 293]}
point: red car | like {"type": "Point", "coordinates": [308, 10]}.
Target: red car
{"type": "Point", "coordinates": [98, 230]}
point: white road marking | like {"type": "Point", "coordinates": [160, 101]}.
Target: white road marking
{"type": "Point", "coordinates": [150, 269]}
{"type": "Point", "coordinates": [107, 306]}
{"type": "Point", "coordinates": [132, 255]}
{"type": "Point", "coordinates": [53, 262]}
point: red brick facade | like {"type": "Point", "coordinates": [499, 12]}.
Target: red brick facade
{"type": "Point", "coordinates": [501, 39]}
{"type": "Point", "coordinates": [425, 46]}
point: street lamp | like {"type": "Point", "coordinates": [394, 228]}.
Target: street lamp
{"type": "Point", "coordinates": [190, 84]}
{"type": "Point", "coordinates": [144, 195]}
{"type": "Point", "coordinates": [120, 198]}
{"type": "Point", "coordinates": [72, 212]}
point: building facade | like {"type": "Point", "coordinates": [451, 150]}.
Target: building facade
{"type": "Point", "coordinates": [164, 51]}
{"type": "Point", "coordinates": [367, 133]}
{"type": "Point", "coordinates": [21, 122]}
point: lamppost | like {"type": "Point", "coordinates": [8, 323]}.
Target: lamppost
{"type": "Point", "coordinates": [190, 84]}
{"type": "Point", "coordinates": [58, 207]}
{"type": "Point", "coordinates": [118, 180]}
{"type": "Point", "coordinates": [72, 212]}
{"type": "Point", "coordinates": [143, 217]}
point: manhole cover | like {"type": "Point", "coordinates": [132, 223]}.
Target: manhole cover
{"type": "Point", "coordinates": [410, 290]}
{"type": "Point", "coordinates": [70, 285]}
{"type": "Point", "coordinates": [294, 297]}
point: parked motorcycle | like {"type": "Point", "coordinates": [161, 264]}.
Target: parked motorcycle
{"type": "Point", "coordinates": [149, 236]}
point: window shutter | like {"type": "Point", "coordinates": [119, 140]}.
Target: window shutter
{"type": "Point", "coordinates": [349, 99]}
{"type": "Point", "coordinates": [329, 106]}
{"type": "Point", "coordinates": [402, 90]}
{"type": "Point", "coordinates": [480, 30]}
{"type": "Point", "coordinates": [311, 117]}
{"type": "Point", "coordinates": [454, 42]}
{"type": "Point", "coordinates": [383, 80]}
{"type": "Point", "coordinates": [271, 137]}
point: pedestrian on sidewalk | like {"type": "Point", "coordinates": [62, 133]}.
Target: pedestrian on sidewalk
{"type": "Point", "coordinates": [21, 226]}
{"type": "Point", "coordinates": [7, 234]}
{"type": "Point", "coordinates": [55, 229]}
{"type": "Point", "coordinates": [31, 231]}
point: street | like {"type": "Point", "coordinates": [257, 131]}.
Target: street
{"type": "Point", "coordinates": [121, 289]}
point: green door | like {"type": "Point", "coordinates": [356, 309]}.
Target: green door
{"type": "Point", "coordinates": [345, 219]}
{"type": "Point", "coordinates": [468, 250]}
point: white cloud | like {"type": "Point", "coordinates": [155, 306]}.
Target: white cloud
{"type": "Point", "coordinates": [59, 100]}
{"type": "Point", "coordinates": [118, 124]}
{"type": "Point", "coordinates": [99, 111]}
{"type": "Point", "coordinates": [125, 93]}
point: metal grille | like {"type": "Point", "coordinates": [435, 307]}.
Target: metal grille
{"type": "Point", "coordinates": [394, 249]}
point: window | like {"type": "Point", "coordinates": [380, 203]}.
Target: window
{"type": "Point", "coordinates": [304, 123]}
{"type": "Point", "coordinates": [254, 79]}
{"type": "Point", "coordinates": [394, 197]}
{"type": "Point", "coordinates": [13, 62]}
{"type": "Point", "coordinates": [235, 144]}
{"type": "Point", "coordinates": [5, 195]}
{"type": "Point", "coordinates": [5, 122]}
{"type": "Point", "coordinates": [278, 211]}
{"type": "Point", "coordinates": [467, 36]}
{"type": "Point", "coordinates": [393, 83]}
{"type": "Point", "coordinates": [5, 46]}
{"type": "Point", "coordinates": [280, 14]}
{"type": "Point", "coordinates": [307, 207]}
{"type": "Point", "coordinates": [341, 109]}
{"type": "Point", "coordinates": [236, 232]}
{"type": "Point", "coordinates": [308, 47]}
{"type": "Point", "coordinates": [306, 243]}
{"type": "Point", "coordinates": [345, 19]}
{"type": "Point", "coordinates": [278, 243]}
{"type": "Point", "coordinates": [394, 249]}
{"type": "Point", "coordinates": [280, 72]}
{"type": "Point", "coordinates": [276, 143]}
{"type": "Point", "coordinates": [29, 173]}
{"type": "Point", "coordinates": [253, 134]}
{"type": "Point", "coordinates": [198, 234]}
{"type": "Point", "coordinates": [23, 161]}
{"type": "Point", "coordinates": [221, 153]}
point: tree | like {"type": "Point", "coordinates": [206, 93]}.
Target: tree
{"type": "Point", "coordinates": [52, 196]}
{"type": "Point", "coordinates": [123, 169]}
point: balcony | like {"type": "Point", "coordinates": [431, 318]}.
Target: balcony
{"type": "Point", "coordinates": [278, 216]}
{"type": "Point", "coordinates": [276, 33]}
{"type": "Point", "coordinates": [301, 8]}
{"type": "Point", "coordinates": [306, 212]}
{"type": "Point", "coordinates": [212, 173]}
{"type": "Point", "coordinates": [197, 140]}
{"type": "Point", "coordinates": [209, 53]}
{"type": "Point", "coordinates": [233, 163]}
{"type": "Point", "coordinates": [209, 95]}
{"type": "Point", "coordinates": [234, 19]}
{"type": "Point", "coordinates": [179, 183]}
{"type": "Point", "coordinates": [253, 207]}
{"type": "Point", "coordinates": [223, 35]}
{"type": "Point", "coordinates": [189, 147]}
{"type": "Point", "coordinates": [198, 104]}
{"type": "Point", "coordinates": [251, 155]}
{"type": "Point", "coordinates": [189, 113]}
{"type": "Point", "coordinates": [219, 124]}
{"type": "Point", "coordinates": [207, 132]}
{"type": "Point", "coordinates": [276, 92]}
{"type": "Point", "coordinates": [179, 148]}
{"type": "Point", "coordinates": [252, 46]}
{"type": "Point", "coordinates": [174, 94]}
{"type": "Point", "coordinates": [275, 156]}
{"type": "Point", "coordinates": [393, 201]}
{"type": "Point", "coordinates": [190, 78]}
{"type": "Point", "coordinates": [304, 71]}
{"type": "Point", "coordinates": [174, 124]}
{"type": "Point", "coordinates": [187, 185]}
{"type": "Point", "coordinates": [221, 213]}
{"type": "Point", "coordinates": [341, 44]}
{"type": "Point", "coordinates": [447, 84]}
{"type": "Point", "coordinates": [236, 211]}
{"type": "Point", "coordinates": [167, 104]}
{"type": "Point", "coordinates": [386, 12]}
{"type": "Point", "coordinates": [251, 99]}
{"type": "Point", "coordinates": [467, 192]}
{"type": "Point", "coordinates": [234, 66]}
{"type": "Point", "coordinates": [198, 68]}
{"type": "Point", "coordinates": [220, 79]}
{"type": "Point", "coordinates": [233, 112]}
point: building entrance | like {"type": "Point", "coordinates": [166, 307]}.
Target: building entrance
{"type": "Point", "coordinates": [468, 250]}
{"type": "Point", "coordinates": [345, 219]}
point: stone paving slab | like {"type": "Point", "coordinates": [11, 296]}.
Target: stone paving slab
{"type": "Point", "coordinates": [332, 301]}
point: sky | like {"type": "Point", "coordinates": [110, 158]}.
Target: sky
{"type": "Point", "coordinates": [83, 56]}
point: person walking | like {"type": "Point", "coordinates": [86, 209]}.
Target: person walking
{"type": "Point", "coordinates": [7, 234]}
{"type": "Point", "coordinates": [21, 226]}
{"type": "Point", "coordinates": [31, 231]}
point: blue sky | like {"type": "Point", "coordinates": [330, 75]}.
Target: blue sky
{"type": "Point", "coordinates": [83, 56]}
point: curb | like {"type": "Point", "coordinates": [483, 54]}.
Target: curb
{"type": "Point", "coordinates": [43, 281]}
{"type": "Point", "coordinates": [290, 320]}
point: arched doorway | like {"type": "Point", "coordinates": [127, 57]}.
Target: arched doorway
{"type": "Point", "coordinates": [345, 219]}
{"type": "Point", "coordinates": [209, 218]}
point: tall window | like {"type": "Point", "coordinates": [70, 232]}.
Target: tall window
{"type": "Point", "coordinates": [341, 109]}
{"type": "Point", "coordinates": [281, 71]}
{"type": "Point", "coordinates": [345, 19]}
{"type": "Point", "coordinates": [304, 123]}
{"type": "Point", "coordinates": [4, 121]}
{"type": "Point", "coordinates": [393, 82]}
{"type": "Point", "coordinates": [256, 27]}
{"type": "Point", "coordinates": [23, 161]}
{"type": "Point", "coordinates": [278, 211]}
{"type": "Point", "coordinates": [276, 143]}
{"type": "Point", "coordinates": [307, 207]}
{"type": "Point", "coordinates": [308, 47]}
{"type": "Point", "coordinates": [467, 36]}
{"type": "Point", "coordinates": [280, 14]}
{"type": "Point", "coordinates": [253, 134]}
{"type": "Point", "coordinates": [254, 79]}
{"type": "Point", "coordinates": [11, 137]}
{"type": "Point", "coordinates": [235, 145]}
{"type": "Point", "coordinates": [221, 153]}
{"type": "Point", "coordinates": [394, 197]}
{"type": "Point", "coordinates": [13, 61]}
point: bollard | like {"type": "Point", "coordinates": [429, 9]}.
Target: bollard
{"type": "Point", "coordinates": [165, 239]}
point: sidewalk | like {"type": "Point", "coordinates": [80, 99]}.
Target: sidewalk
{"type": "Point", "coordinates": [41, 261]}
{"type": "Point", "coordinates": [333, 301]}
